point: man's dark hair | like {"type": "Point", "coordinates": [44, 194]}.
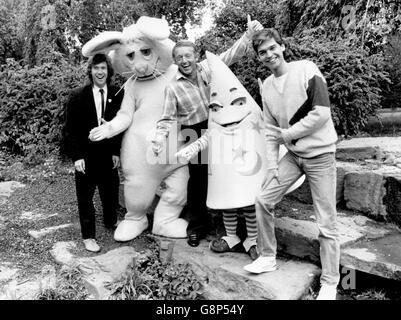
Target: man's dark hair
{"type": "Point", "coordinates": [96, 59]}
{"type": "Point", "coordinates": [184, 43]}
{"type": "Point", "coordinates": [262, 35]}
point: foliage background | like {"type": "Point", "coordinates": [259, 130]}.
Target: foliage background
{"type": "Point", "coordinates": [358, 51]}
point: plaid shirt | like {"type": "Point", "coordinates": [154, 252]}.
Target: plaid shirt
{"type": "Point", "coordinates": [188, 103]}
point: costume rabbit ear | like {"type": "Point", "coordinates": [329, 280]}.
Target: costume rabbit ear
{"type": "Point", "coordinates": [153, 28]}
{"type": "Point", "coordinates": [102, 43]}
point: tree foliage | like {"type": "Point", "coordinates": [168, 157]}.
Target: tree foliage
{"type": "Point", "coordinates": [355, 43]}
{"type": "Point", "coordinates": [11, 40]}
{"type": "Point", "coordinates": [32, 105]}
{"type": "Point", "coordinates": [357, 75]}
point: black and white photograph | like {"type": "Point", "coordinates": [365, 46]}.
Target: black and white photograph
{"type": "Point", "coordinates": [204, 158]}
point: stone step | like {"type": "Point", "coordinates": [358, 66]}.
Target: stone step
{"type": "Point", "coordinates": [373, 189]}
{"type": "Point", "coordinates": [366, 245]}
{"type": "Point", "coordinates": [368, 148]}
{"type": "Point", "coordinates": [222, 275]}
{"type": "Point", "coordinates": [225, 279]}
{"type": "Point", "coordinates": [45, 231]}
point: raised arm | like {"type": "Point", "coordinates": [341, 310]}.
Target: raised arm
{"type": "Point", "coordinates": [241, 46]}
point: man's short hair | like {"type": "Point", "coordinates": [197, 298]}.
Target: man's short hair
{"type": "Point", "coordinates": [96, 59]}
{"type": "Point", "coordinates": [184, 43]}
{"type": "Point", "coordinates": [262, 35]}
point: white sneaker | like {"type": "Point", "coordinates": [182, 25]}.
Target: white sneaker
{"type": "Point", "coordinates": [91, 245]}
{"type": "Point", "coordinates": [327, 292]}
{"type": "Point", "coordinates": [262, 264]}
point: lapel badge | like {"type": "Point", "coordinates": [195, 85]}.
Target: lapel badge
{"type": "Point", "coordinates": [109, 100]}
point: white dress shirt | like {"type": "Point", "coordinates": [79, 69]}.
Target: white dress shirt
{"type": "Point", "coordinates": [98, 100]}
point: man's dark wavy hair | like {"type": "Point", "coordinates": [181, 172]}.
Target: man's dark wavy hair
{"type": "Point", "coordinates": [96, 59]}
{"type": "Point", "coordinates": [262, 35]}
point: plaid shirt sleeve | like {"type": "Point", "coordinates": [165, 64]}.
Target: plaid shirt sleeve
{"type": "Point", "coordinates": [169, 116]}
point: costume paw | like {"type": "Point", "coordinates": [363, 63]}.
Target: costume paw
{"type": "Point", "coordinates": [130, 229]}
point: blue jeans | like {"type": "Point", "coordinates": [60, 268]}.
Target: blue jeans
{"type": "Point", "coordinates": [321, 174]}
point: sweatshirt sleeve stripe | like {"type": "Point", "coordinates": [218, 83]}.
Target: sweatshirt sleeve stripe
{"type": "Point", "coordinates": [317, 96]}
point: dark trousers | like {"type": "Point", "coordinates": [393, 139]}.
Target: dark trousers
{"type": "Point", "coordinates": [107, 181]}
{"type": "Point", "coordinates": [197, 214]}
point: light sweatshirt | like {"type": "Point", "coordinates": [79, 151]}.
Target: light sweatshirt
{"type": "Point", "coordinates": [298, 102]}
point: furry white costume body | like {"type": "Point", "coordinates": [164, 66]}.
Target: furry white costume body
{"type": "Point", "coordinates": [144, 51]}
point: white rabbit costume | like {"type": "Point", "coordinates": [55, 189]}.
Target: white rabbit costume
{"type": "Point", "coordinates": [144, 52]}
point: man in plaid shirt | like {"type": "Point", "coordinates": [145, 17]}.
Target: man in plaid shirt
{"type": "Point", "coordinates": [187, 101]}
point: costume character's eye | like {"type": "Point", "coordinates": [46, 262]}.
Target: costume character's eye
{"type": "Point", "coordinates": [131, 55]}
{"type": "Point", "coordinates": [240, 101]}
{"type": "Point", "coordinates": [146, 52]}
{"type": "Point", "coordinates": [214, 106]}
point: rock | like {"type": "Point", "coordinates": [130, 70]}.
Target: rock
{"type": "Point", "coordinates": [366, 148]}
{"type": "Point", "coordinates": [364, 192]}
{"type": "Point", "coordinates": [390, 159]}
{"type": "Point", "coordinates": [7, 188]}
{"type": "Point", "coordinates": [392, 199]}
{"type": "Point", "coordinates": [99, 270]}
{"type": "Point", "coordinates": [107, 268]}
{"type": "Point", "coordinates": [366, 245]}
{"type": "Point", "coordinates": [305, 232]}
{"type": "Point", "coordinates": [356, 153]}
{"type": "Point", "coordinates": [7, 272]}
{"type": "Point", "coordinates": [223, 276]}
{"type": "Point", "coordinates": [30, 289]}
{"type": "Point", "coordinates": [61, 252]}
{"type": "Point", "coordinates": [36, 215]}
{"type": "Point", "coordinates": [380, 256]}
{"type": "Point", "coordinates": [40, 233]}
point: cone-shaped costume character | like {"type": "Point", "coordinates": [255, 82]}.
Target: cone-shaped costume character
{"type": "Point", "coordinates": [237, 154]}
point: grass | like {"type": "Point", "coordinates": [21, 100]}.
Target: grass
{"type": "Point", "coordinates": [69, 286]}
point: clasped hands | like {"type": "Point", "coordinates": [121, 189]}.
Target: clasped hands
{"type": "Point", "coordinates": [158, 144]}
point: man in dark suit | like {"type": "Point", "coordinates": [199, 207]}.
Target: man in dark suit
{"type": "Point", "coordinates": [95, 162]}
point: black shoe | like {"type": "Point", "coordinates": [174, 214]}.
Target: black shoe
{"type": "Point", "coordinates": [193, 240]}
{"type": "Point", "coordinates": [253, 252]}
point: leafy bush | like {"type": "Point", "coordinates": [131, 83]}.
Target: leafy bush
{"type": "Point", "coordinates": [393, 65]}
{"type": "Point", "coordinates": [153, 279]}
{"type": "Point", "coordinates": [32, 106]}
{"type": "Point", "coordinates": [354, 79]}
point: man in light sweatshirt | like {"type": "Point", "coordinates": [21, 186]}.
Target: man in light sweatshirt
{"type": "Point", "coordinates": [296, 110]}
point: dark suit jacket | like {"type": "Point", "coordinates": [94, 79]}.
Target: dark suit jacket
{"type": "Point", "coordinates": [81, 118]}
